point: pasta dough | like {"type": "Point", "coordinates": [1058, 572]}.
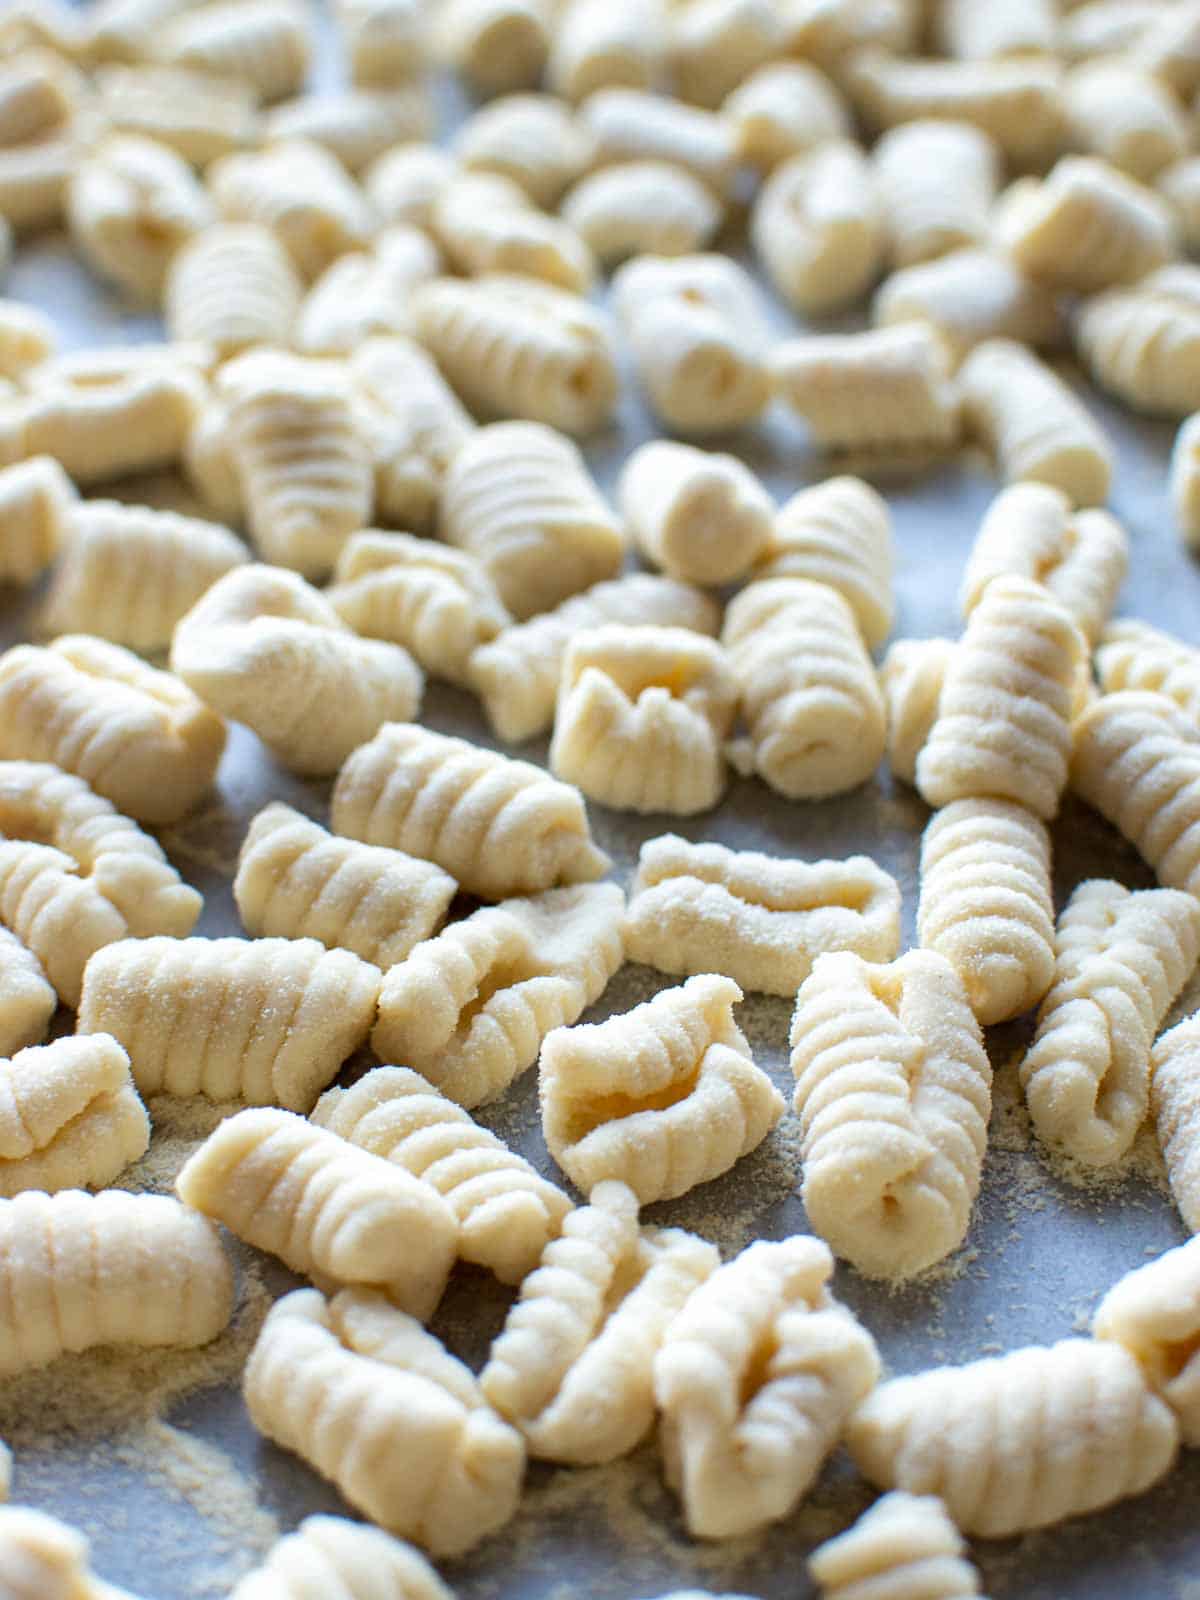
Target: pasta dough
{"type": "Point", "coordinates": [486, 222]}
{"type": "Point", "coordinates": [968, 297]}
{"type": "Point", "coordinates": [27, 998]}
{"type": "Point", "coordinates": [1184, 482]}
{"type": "Point", "coordinates": [499, 46]}
{"type": "Point", "coordinates": [904, 1548]}
{"type": "Point", "coordinates": [265, 43]}
{"type": "Point", "coordinates": [910, 681]}
{"type": "Point", "coordinates": [1123, 113]}
{"type": "Point", "coordinates": [1175, 1107]}
{"type": "Point", "coordinates": [1133, 655]}
{"type": "Point", "coordinates": [342, 1560]}
{"type": "Point", "coordinates": [642, 208]}
{"type": "Point", "coordinates": [36, 502]}
{"type": "Point", "coordinates": [385, 42]}
{"type": "Point", "coordinates": [198, 116]}
{"type": "Point", "coordinates": [817, 227]}
{"type": "Point", "coordinates": [1143, 343]}
{"type": "Point", "coordinates": [299, 191]}
{"type": "Point", "coordinates": [355, 125]}
{"type": "Point", "coordinates": [936, 182]}
{"type": "Point", "coordinates": [232, 286]}
{"type": "Point", "coordinates": [1154, 1313]}
{"type": "Point", "coordinates": [362, 296]}
{"type": "Point", "coordinates": [532, 139]}
{"type": "Point", "coordinates": [630, 125]}
{"type": "Point", "coordinates": [44, 1559]}
{"type": "Point", "coordinates": [699, 516]}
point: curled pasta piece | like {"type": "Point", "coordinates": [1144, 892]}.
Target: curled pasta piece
{"type": "Point", "coordinates": [232, 286]}
{"type": "Point", "coordinates": [755, 1379]}
{"type": "Point", "coordinates": [344, 1561]}
{"type": "Point", "coordinates": [264, 43]}
{"type": "Point", "coordinates": [27, 338]}
{"type": "Point", "coordinates": [1166, 47]}
{"type": "Point", "coordinates": [519, 498]}
{"type": "Point", "coordinates": [34, 176]}
{"type": "Point", "coordinates": [302, 193]}
{"type": "Point", "coordinates": [531, 139]}
{"type": "Point", "coordinates": [1018, 1441]}
{"type": "Point", "coordinates": [39, 92]}
{"type": "Point", "coordinates": [37, 500]}
{"type": "Point", "coordinates": [642, 716]}
{"type": "Point", "coordinates": [517, 673]}
{"type": "Point", "coordinates": [661, 1098]}
{"type": "Point", "coordinates": [268, 650]}
{"type": "Point", "coordinates": [69, 1116]}
{"type": "Point", "coordinates": [970, 296]}
{"type": "Point", "coordinates": [1022, 28]}
{"type": "Point", "coordinates": [809, 693]}
{"type": "Point", "coordinates": [363, 296]}
{"type": "Point", "coordinates": [385, 42]}
{"type": "Point", "coordinates": [1133, 655]}
{"type": "Point", "coordinates": [403, 183]}
{"type": "Point", "coordinates": [783, 109]}
{"type": "Point", "coordinates": [81, 1270]}
{"type": "Point", "coordinates": [893, 1092]}
{"type": "Point", "coordinates": [1184, 482]}
{"type": "Point", "coordinates": [1122, 113]}
{"type": "Point", "coordinates": [198, 116]}
{"type": "Point", "coordinates": [1143, 344]}
{"type": "Point", "coordinates": [936, 182]}
{"type": "Point", "coordinates": [904, 1548]}
{"type": "Point", "coordinates": [817, 227]}
{"type": "Point", "coordinates": [631, 125]}
{"type": "Point", "coordinates": [1154, 1313]}
{"type": "Point", "coordinates": [486, 223]}
{"type": "Point", "coordinates": [323, 1206]}
{"type": "Point", "coordinates": [715, 44]}
{"type": "Point", "coordinates": [606, 44]}
{"type": "Point", "coordinates": [697, 515]}
{"type": "Point", "coordinates": [499, 46]}
{"type": "Point", "coordinates": [642, 208]}
{"type": "Point", "coordinates": [44, 1559]}
{"type": "Point", "coordinates": [355, 125]}
{"type": "Point", "coordinates": [27, 998]}
{"type": "Point", "coordinates": [361, 1391]}
{"type": "Point", "coordinates": [910, 681]}
{"type": "Point", "coordinates": [471, 1008]}
{"type": "Point", "coordinates": [1179, 186]}
{"type": "Point", "coordinates": [1121, 957]}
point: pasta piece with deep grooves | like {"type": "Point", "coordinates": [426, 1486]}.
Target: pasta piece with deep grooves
{"type": "Point", "coordinates": [893, 1092]}
{"type": "Point", "coordinates": [1133, 655]}
{"type": "Point", "coordinates": [936, 182]}
{"type": "Point", "coordinates": [232, 286]}
{"type": "Point", "coordinates": [910, 682]}
{"type": "Point", "coordinates": [486, 223]}
{"type": "Point", "coordinates": [403, 183]}
{"type": "Point", "coordinates": [1143, 343]}
{"type": "Point", "coordinates": [44, 1559]}
{"type": "Point", "coordinates": [36, 503]}
{"type": "Point", "coordinates": [968, 297]}
{"type": "Point", "coordinates": [606, 44]}
{"type": "Point", "coordinates": [323, 1206]}
{"type": "Point", "coordinates": [498, 46]}
{"type": "Point", "coordinates": [1175, 1107]}
{"type": "Point", "coordinates": [699, 516]}
{"type": "Point", "coordinates": [361, 1392]}
{"type": "Point", "coordinates": [122, 30]}
{"type": "Point", "coordinates": [342, 1560]}
{"type": "Point", "coordinates": [385, 41]}
{"type": "Point", "coordinates": [355, 125]}
{"type": "Point", "coordinates": [783, 109]}
{"type": "Point", "coordinates": [588, 1323]}
{"type": "Point", "coordinates": [715, 44]}
{"type": "Point", "coordinates": [1184, 483]}
{"type": "Point", "coordinates": [642, 208]}
{"type": "Point", "coordinates": [755, 1380]}
{"type": "Point", "coordinates": [904, 1548]}
{"type": "Point", "coordinates": [27, 998]}
{"type": "Point", "coordinates": [1121, 958]}
{"type": "Point", "coordinates": [471, 1008]}
{"type": "Point", "coordinates": [364, 296]}
{"type": "Point", "coordinates": [199, 116]}
{"type": "Point", "coordinates": [1154, 1313]}
{"type": "Point", "coordinates": [661, 1098]}
{"type": "Point", "coordinates": [266, 44]}
{"type": "Point", "coordinates": [1121, 112]}
{"type": "Point", "coordinates": [302, 193]}
{"type": "Point", "coordinates": [631, 125]}
{"type": "Point", "coordinates": [531, 139]}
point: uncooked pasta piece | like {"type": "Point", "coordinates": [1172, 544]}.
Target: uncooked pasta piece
{"type": "Point", "coordinates": [531, 139]}
{"type": "Point", "coordinates": [266, 649]}
{"type": "Point", "coordinates": [299, 191]}
{"type": "Point", "coordinates": [140, 737]}
{"type": "Point", "coordinates": [1121, 957]}
{"type": "Point", "coordinates": [631, 125]}
{"type": "Point", "coordinates": [403, 184]}
{"type": "Point", "coordinates": [27, 338]}
{"type": "Point", "coordinates": [1184, 482]}
{"type": "Point", "coordinates": [37, 500]}
{"type": "Point", "coordinates": [1033, 425]}
{"type": "Point", "coordinates": [498, 46]}
{"type": "Point", "coordinates": [34, 177]}
{"type": "Point", "coordinates": [606, 44]}
{"type": "Point", "coordinates": [1133, 655]}
{"type": "Point", "coordinates": [1143, 343]}
{"type": "Point", "coordinates": [783, 109]}
{"type": "Point", "coordinates": [342, 1560]}
{"type": "Point", "coordinates": [817, 227]}
{"type": "Point", "coordinates": [199, 116]}
{"type": "Point", "coordinates": [471, 1008]}
{"type": "Point", "coordinates": [517, 674]}
{"type": "Point", "coordinates": [361, 1392]}
{"type": "Point", "coordinates": [986, 903]}
{"type": "Point", "coordinates": [1169, 47]}
{"type": "Point", "coordinates": [1105, 27]}
{"type": "Point", "coordinates": [1018, 28]}
{"type": "Point", "coordinates": [1179, 185]}
{"type": "Point", "coordinates": [519, 498]}
{"type": "Point", "coordinates": [910, 681]}
{"type": "Point", "coordinates": [323, 1206]}
{"type": "Point", "coordinates": [27, 998]}
{"type": "Point", "coordinates": [363, 296]}
{"type": "Point", "coordinates": [1019, 1441]}
{"type": "Point", "coordinates": [507, 1212]}
{"type": "Point", "coordinates": [969, 296]}
{"type": "Point", "coordinates": [499, 826]}
{"type": "Point", "coordinates": [936, 182]}
{"type": "Point", "coordinates": [124, 30]}
{"type": "Point", "coordinates": [296, 881]}
{"type": "Point", "coordinates": [642, 208]}
{"type": "Point", "coordinates": [904, 1548]}
{"type": "Point", "coordinates": [1154, 1313]}
{"type": "Point", "coordinates": [809, 694]}
{"type": "Point", "coordinates": [573, 1367]}
{"type": "Point", "coordinates": [231, 287]}
{"type": "Point", "coordinates": [661, 1098]}
{"type": "Point", "coordinates": [715, 45]}
{"type": "Point", "coordinates": [44, 1559]}
{"type": "Point", "coordinates": [69, 1117]}
{"type": "Point", "coordinates": [80, 1270]}
{"type": "Point", "coordinates": [516, 347]}
{"type": "Point", "coordinates": [355, 125]}
{"type": "Point", "coordinates": [893, 1091]}
{"type": "Point", "coordinates": [1122, 113]}
{"type": "Point", "coordinates": [52, 24]}
{"type": "Point", "coordinates": [486, 223]}
{"type": "Point", "coordinates": [209, 467]}
{"type": "Point", "coordinates": [385, 41]}
{"type": "Point", "coordinates": [699, 516]}
{"type": "Point", "coordinates": [266, 44]}
{"type": "Point", "coordinates": [39, 92]}
{"type": "Point", "coordinates": [755, 1379]}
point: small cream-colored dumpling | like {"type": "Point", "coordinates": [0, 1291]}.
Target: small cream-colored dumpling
{"type": "Point", "coordinates": [1119, 111]}
{"type": "Point", "coordinates": [713, 45]}
{"type": "Point", "coordinates": [299, 191]}
{"type": "Point", "coordinates": [1175, 1107]}
{"type": "Point", "coordinates": [385, 42]}
{"type": "Point", "coordinates": [606, 44]}
{"type": "Point", "coordinates": [37, 501]}
{"type": "Point", "coordinates": [782, 109]}
{"type": "Point", "coordinates": [356, 125]}
{"type": "Point", "coordinates": [342, 1560]}
{"type": "Point", "coordinates": [1143, 343]}
{"type": "Point", "coordinates": [904, 1548]}
{"type": "Point", "coordinates": [486, 223]}
{"type": "Point", "coordinates": [910, 681]}
{"type": "Point", "coordinates": [817, 227]}
{"type": "Point", "coordinates": [498, 46]}
{"type": "Point", "coordinates": [969, 32]}
{"type": "Point", "coordinates": [531, 139]}
{"type": "Point", "coordinates": [364, 295]}
{"type": "Point", "coordinates": [1154, 1313]}
{"type": "Point", "coordinates": [697, 515]}
{"type": "Point", "coordinates": [267, 44]}
{"type": "Point", "coordinates": [969, 296]}
{"type": "Point", "coordinates": [44, 1559]}
{"type": "Point", "coordinates": [232, 286]}
{"type": "Point", "coordinates": [27, 997]}
{"type": "Point", "coordinates": [631, 125]}
{"type": "Point", "coordinates": [642, 208]}
{"type": "Point", "coordinates": [1133, 655]}
{"type": "Point", "coordinates": [199, 116]}
{"type": "Point", "coordinates": [404, 182]}
{"type": "Point", "coordinates": [935, 182]}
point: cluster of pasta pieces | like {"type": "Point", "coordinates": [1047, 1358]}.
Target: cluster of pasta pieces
{"type": "Point", "coordinates": [366, 454]}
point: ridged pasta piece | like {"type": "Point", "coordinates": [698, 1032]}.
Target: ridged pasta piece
{"type": "Point", "coordinates": [715, 44]}
{"type": "Point", "coordinates": [498, 46]}
{"type": "Point", "coordinates": [631, 125]}
{"type": "Point", "coordinates": [1122, 113]}
{"type": "Point", "coordinates": [403, 183]}
{"type": "Point", "coordinates": [1018, 28]}
{"type": "Point", "coordinates": [232, 286]}
{"type": "Point", "coordinates": [783, 109]}
{"type": "Point", "coordinates": [968, 297]}
{"type": "Point", "coordinates": [507, 1212]}
{"type": "Point", "coordinates": [264, 43]}
{"type": "Point", "coordinates": [586, 1328]}
{"type": "Point", "coordinates": [27, 998]}
{"type": "Point", "coordinates": [365, 296]}
{"type": "Point", "coordinates": [44, 1559]}
{"type": "Point", "coordinates": [606, 44]}
{"type": "Point", "coordinates": [755, 1380]}
{"type": "Point", "coordinates": [642, 208]}
{"type": "Point", "coordinates": [37, 500]}
{"type": "Point", "coordinates": [355, 125]}
{"type": "Point", "coordinates": [27, 338]}
{"type": "Point", "coordinates": [516, 347]}
{"type": "Point", "coordinates": [809, 694]}
{"type": "Point", "coordinates": [268, 1021]}
{"type": "Point", "coordinates": [1018, 1441]}
{"type": "Point", "coordinates": [486, 223]}
{"type": "Point", "coordinates": [1121, 958]}
{"type": "Point", "coordinates": [138, 736]}
{"type": "Point", "coordinates": [661, 1098]}
{"type": "Point", "coordinates": [1143, 343]}
{"type": "Point", "coordinates": [517, 673]}
{"type": "Point", "coordinates": [817, 227]}
{"type": "Point", "coordinates": [986, 903]}
{"type": "Point", "coordinates": [39, 92]}
{"type": "Point", "coordinates": [70, 1117]}
{"type": "Point", "coordinates": [1184, 482]}
{"type": "Point", "coordinates": [209, 467]}
{"type": "Point", "coordinates": [531, 139]}
{"type": "Point", "coordinates": [936, 182]}
{"type": "Point", "coordinates": [893, 1092]}
{"type": "Point", "coordinates": [1133, 655]}
{"type": "Point", "coordinates": [910, 681]}
{"type": "Point", "coordinates": [904, 1548]}
{"type": "Point", "coordinates": [700, 516]}
{"type": "Point", "coordinates": [199, 116]}
{"type": "Point", "coordinates": [385, 41]}
{"type": "Point", "coordinates": [1108, 29]}
{"type": "Point", "coordinates": [268, 650]}
{"type": "Point", "coordinates": [341, 1560]}
{"type": "Point", "coordinates": [470, 1008]}
{"type": "Point", "coordinates": [362, 1392]}
{"type": "Point", "coordinates": [323, 1206]}
{"type": "Point", "coordinates": [1179, 186]}
{"type": "Point", "coordinates": [123, 30]}
{"type": "Point", "coordinates": [80, 1270]}
{"type": "Point", "coordinates": [1154, 1313]}
{"type": "Point", "coordinates": [34, 177]}
{"type": "Point", "coordinates": [299, 191]}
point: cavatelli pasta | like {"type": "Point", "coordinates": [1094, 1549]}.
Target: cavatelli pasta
{"type": "Point", "coordinates": [27, 338]}
{"type": "Point", "coordinates": [1175, 1107]}
{"type": "Point", "coordinates": [385, 41]}
{"type": "Point", "coordinates": [783, 109]}
{"type": "Point", "coordinates": [531, 139]}
{"type": "Point", "coordinates": [264, 43]}
{"type": "Point", "coordinates": [606, 44]}
{"type": "Point", "coordinates": [346, 1561]}
{"type": "Point", "coordinates": [364, 296]}
{"type": "Point", "coordinates": [715, 44]}
{"type": "Point", "coordinates": [935, 182]}
{"type": "Point", "coordinates": [1122, 113]}
{"type": "Point", "coordinates": [968, 297]}
{"type": "Point", "coordinates": [27, 998]}
{"type": "Point", "coordinates": [36, 504]}
{"type": "Point", "coordinates": [499, 46]}
{"type": "Point", "coordinates": [1020, 28]}
{"type": "Point", "coordinates": [42, 1557]}
{"type": "Point", "coordinates": [631, 125]}
{"type": "Point", "coordinates": [642, 208]}
{"type": "Point", "coordinates": [1143, 343]}
{"type": "Point", "coordinates": [1154, 1313]}
{"type": "Point", "coordinates": [302, 193]}
{"type": "Point", "coordinates": [232, 286]}
{"type": "Point", "coordinates": [486, 223]}
{"type": "Point", "coordinates": [910, 681]}
{"type": "Point", "coordinates": [700, 516]}
{"type": "Point", "coordinates": [904, 1548]}
{"type": "Point", "coordinates": [1133, 655]}
{"type": "Point", "coordinates": [199, 116]}
{"type": "Point", "coordinates": [356, 125]}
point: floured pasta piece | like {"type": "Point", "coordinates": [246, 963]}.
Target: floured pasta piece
{"type": "Point", "coordinates": [266, 649]}
{"type": "Point", "coordinates": [967, 297]}
{"type": "Point", "coordinates": [70, 1117]}
{"type": "Point", "coordinates": [1122, 113]}
{"type": "Point", "coordinates": [323, 1206]}
{"type": "Point", "coordinates": [51, 24]}
{"type": "Point", "coordinates": [199, 116]}
{"type": "Point", "coordinates": [517, 673]}
{"type": "Point", "coordinates": [893, 1092]}
{"type": "Point", "coordinates": [80, 1270]}
{"type": "Point", "coordinates": [783, 109]}
{"type": "Point", "coordinates": [606, 44]}
{"type": "Point", "coordinates": [266, 44]}
{"type": "Point", "coordinates": [1133, 655]}
{"type": "Point", "coordinates": [342, 1560]}
{"type": "Point", "coordinates": [1184, 482]}
{"type": "Point", "coordinates": [232, 286]}
{"type": "Point", "coordinates": [817, 227]}
{"type": "Point", "coordinates": [1143, 343]}
{"type": "Point", "coordinates": [27, 338]}
{"type": "Point", "coordinates": [486, 223]}
{"type": "Point", "coordinates": [27, 998]}
{"type": "Point", "coordinates": [642, 208]}
{"type": "Point", "coordinates": [642, 716]}
{"type": "Point", "coordinates": [755, 1379]}
{"type": "Point", "coordinates": [385, 41]}
{"type": "Point", "coordinates": [1154, 1313]}
{"type": "Point", "coordinates": [1018, 1441]}
{"type": "Point", "coordinates": [507, 1212]}
{"type": "Point", "coordinates": [1020, 28]}
{"type": "Point", "coordinates": [209, 466]}
{"type": "Point", "coordinates": [470, 1008]}
{"type": "Point", "coordinates": [910, 681]}
{"type": "Point", "coordinates": [39, 94]}
{"type": "Point", "coordinates": [936, 182]}
{"type": "Point", "coordinates": [361, 1392]}
{"type": "Point", "coordinates": [697, 515]}
{"type": "Point", "coordinates": [513, 346]}
{"type": "Point", "coordinates": [44, 1559]}
{"type": "Point", "coordinates": [531, 139]}
{"type": "Point", "coordinates": [123, 30]}
{"type": "Point", "coordinates": [631, 125]}
{"type": "Point", "coordinates": [37, 501]}
{"type": "Point", "coordinates": [365, 296]}
{"type": "Point", "coordinates": [302, 193]}
{"type": "Point", "coordinates": [1121, 957]}
{"type": "Point", "coordinates": [714, 45]}
{"type": "Point", "coordinates": [403, 184]}
{"type": "Point", "coordinates": [498, 46]}
{"type": "Point", "coordinates": [519, 498]}
{"type": "Point", "coordinates": [904, 1548]}
{"type": "Point", "coordinates": [810, 697]}
{"type": "Point", "coordinates": [355, 125]}
{"type": "Point", "coordinates": [1179, 186]}
{"type": "Point", "coordinates": [661, 1098]}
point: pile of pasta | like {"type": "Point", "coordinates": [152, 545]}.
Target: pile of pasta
{"type": "Point", "coordinates": [356, 461]}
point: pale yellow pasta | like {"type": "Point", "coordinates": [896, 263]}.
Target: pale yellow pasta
{"type": "Point", "coordinates": [361, 1392]}
{"type": "Point", "coordinates": [355, 125]}
{"type": "Point", "coordinates": [1122, 113]}
{"type": "Point", "coordinates": [403, 184]}
{"type": "Point", "coordinates": [231, 287]}
{"type": "Point", "coordinates": [755, 1380]}
{"type": "Point", "coordinates": [51, 24]}
{"type": "Point", "coordinates": [37, 501]}
{"type": "Point", "coordinates": [1019, 1441]}
{"type": "Point", "coordinates": [661, 1098]}
{"type": "Point", "coordinates": [642, 208]}
{"type": "Point", "coordinates": [27, 998]}
{"type": "Point", "coordinates": [904, 1548]}
{"type": "Point", "coordinates": [1133, 655]}
{"type": "Point", "coordinates": [80, 1270]}
{"type": "Point", "coordinates": [363, 296]}
{"type": "Point", "coordinates": [809, 694]}
{"type": "Point", "coordinates": [586, 1328]}
{"type": "Point", "coordinates": [1105, 27]}
{"type": "Point", "coordinates": [1154, 1313]}
{"type": "Point", "coordinates": [209, 467]}
{"type": "Point", "coordinates": [34, 177]}
{"type": "Point", "coordinates": [936, 182]}
{"type": "Point", "coordinates": [507, 1212]}
{"type": "Point", "coordinates": [266, 44]}
{"type": "Point", "coordinates": [1169, 47]}
{"type": "Point", "coordinates": [39, 92]}
{"type": "Point", "coordinates": [44, 1559]}
{"type": "Point", "coordinates": [632, 125]}
{"type": "Point", "coordinates": [1175, 1108]}
{"type": "Point", "coordinates": [1184, 482]}
{"type": "Point", "coordinates": [342, 1560]}
{"type": "Point", "coordinates": [486, 223]}
{"type": "Point", "coordinates": [1179, 185]}
{"type": "Point", "coordinates": [531, 139]}
{"type": "Point", "coordinates": [967, 297]}
{"type": "Point", "coordinates": [910, 681]}
{"type": "Point", "coordinates": [266, 649]}
{"type": "Point", "coordinates": [124, 30]}
{"type": "Point", "coordinates": [499, 826]}
{"type": "Point", "coordinates": [606, 44]}
{"type": "Point", "coordinates": [1143, 343]}
{"type": "Point", "coordinates": [783, 109]}
{"type": "Point", "coordinates": [700, 516]}
{"type": "Point", "coordinates": [27, 338]}
{"type": "Point", "coordinates": [893, 1091]}
{"type": "Point", "coordinates": [199, 116]}
{"type": "Point", "coordinates": [470, 1008]}
{"type": "Point", "coordinates": [498, 46]}
{"type": "Point", "coordinates": [818, 229]}
{"type": "Point", "coordinates": [972, 32]}
{"type": "Point", "coordinates": [299, 191]}
{"type": "Point", "coordinates": [385, 41]}
{"type": "Point", "coordinates": [715, 44]}
{"type": "Point", "coordinates": [517, 673]}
